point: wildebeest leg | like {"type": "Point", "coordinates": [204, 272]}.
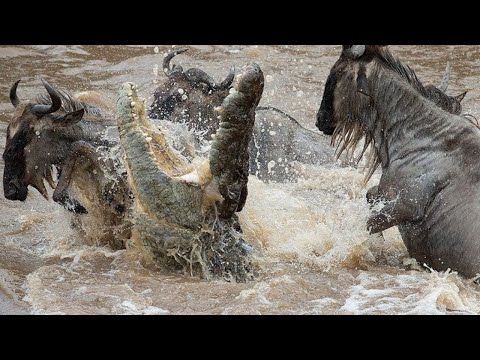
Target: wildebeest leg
{"type": "Point", "coordinates": [61, 195]}
{"type": "Point", "coordinates": [375, 196]}
{"type": "Point", "coordinates": [372, 195]}
{"type": "Point", "coordinates": [391, 214]}
{"type": "Point", "coordinates": [405, 202]}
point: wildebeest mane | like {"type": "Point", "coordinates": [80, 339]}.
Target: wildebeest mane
{"type": "Point", "coordinates": [408, 74]}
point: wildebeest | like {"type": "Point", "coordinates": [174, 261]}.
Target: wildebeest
{"type": "Point", "coordinates": [436, 94]}
{"type": "Point", "coordinates": [279, 142]}
{"type": "Point", "coordinates": [61, 131]}
{"type": "Point", "coordinates": [193, 87]}
{"type": "Point", "coordinates": [429, 157]}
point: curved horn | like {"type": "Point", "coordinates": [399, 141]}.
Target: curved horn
{"type": "Point", "coordinates": [13, 94]}
{"type": "Point", "coordinates": [460, 97]}
{"type": "Point", "coordinates": [225, 84]}
{"type": "Point", "coordinates": [166, 62]}
{"type": "Point", "coordinates": [354, 51]}
{"type": "Point", "coordinates": [56, 101]}
{"type": "Point", "coordinates": [446, 77]}
{"type": "Point", "coordinates": [199, 76]}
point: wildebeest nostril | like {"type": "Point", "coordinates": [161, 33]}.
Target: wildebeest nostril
{"type": "Point", "coordinates": [324, 124]}
{"type": "Point", "coordinates": [11, 192]}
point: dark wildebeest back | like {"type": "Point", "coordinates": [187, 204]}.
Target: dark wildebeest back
{"type": "Point", "coordinates": [429, 157]}
{"type": "Point", "coordinates": [280, 145]}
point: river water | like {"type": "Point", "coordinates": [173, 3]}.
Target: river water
{"type": "Point", "coordinates": [317, 257]}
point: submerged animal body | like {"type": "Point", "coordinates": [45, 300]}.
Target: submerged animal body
{"type": "Point", "coordinates": [185, 209]}
{"type": "Point", "coordinates": [279, 143]}
{"type": "Point", "coordinates": [428, 156]}
{"type": "Point", "coordinates": [70, 135]}
{"type": "Point", "coordinates": [280, 146]}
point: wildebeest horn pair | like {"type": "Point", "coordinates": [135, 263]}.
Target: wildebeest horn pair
{"type": "Point", "coordinates": [39, 109]}
{"type": "Point", "coordinates": [196, 75]}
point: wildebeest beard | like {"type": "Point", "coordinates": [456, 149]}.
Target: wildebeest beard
{"type": "Point", "coordinates": [351, 128]}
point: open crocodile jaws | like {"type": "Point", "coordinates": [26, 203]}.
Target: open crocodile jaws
{"type": "Point", "coordinates": [184, 215]}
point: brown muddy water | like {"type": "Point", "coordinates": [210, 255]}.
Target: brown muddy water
{"type": "Point", "coordinates": [317, 257]}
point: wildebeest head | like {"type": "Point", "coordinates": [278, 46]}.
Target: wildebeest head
{"type": "Point", "coordinates": [189, 96]}
{"type": "Point", "coordinates": [364, 53]}
{"type": "Point", "coordinates": [24, 142]}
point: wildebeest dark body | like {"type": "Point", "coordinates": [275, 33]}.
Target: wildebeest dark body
{"type": "Point", "coordinates": [429, 157]}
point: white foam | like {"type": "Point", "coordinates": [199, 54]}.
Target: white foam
{"type": "Point", "coordinates": [129, 308]}
{"type": "Point", "coordinates": [191, 178]}
{"type": "Point", "coordinates": [318, 222]}
{"type": "Point", "coordinates": [412, 293]}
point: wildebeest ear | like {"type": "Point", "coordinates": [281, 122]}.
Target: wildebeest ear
{"type": "Point", "coordinates": [460, 97]}
{"type": "Point", "coordinates": [69, 119]}
{"type": "Point", "coordinates": [362, 84]}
